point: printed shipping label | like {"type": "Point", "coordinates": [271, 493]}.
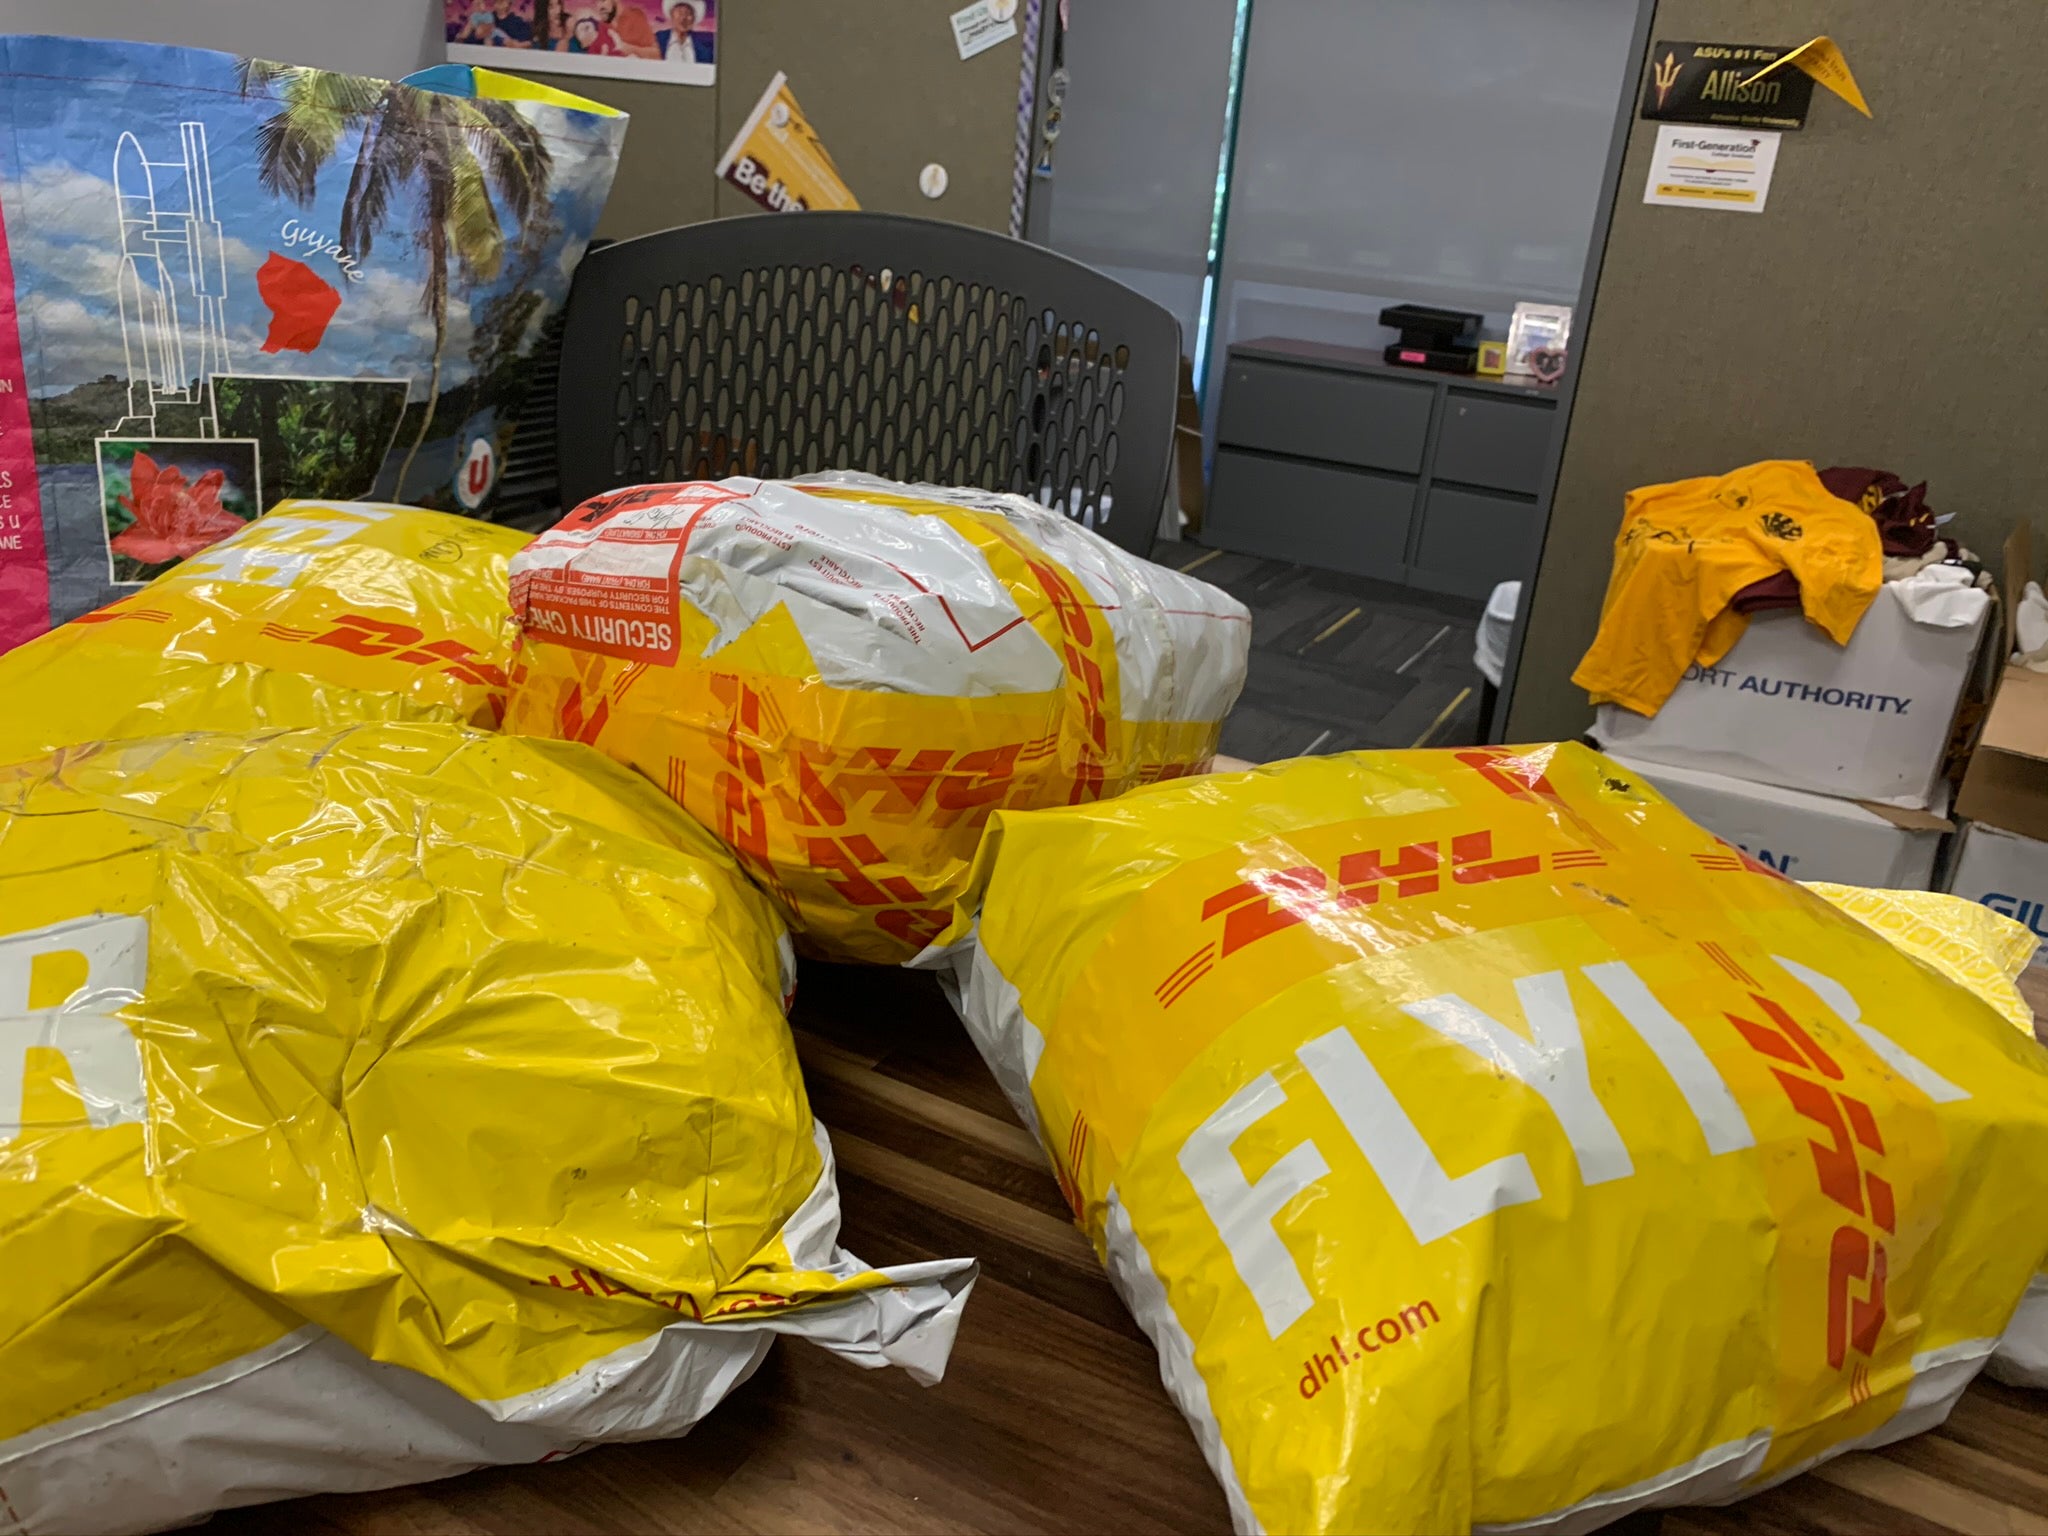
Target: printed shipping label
{"type": "Point", "coordinates": [606, 579]}
{"type": "Point", "coordinates": [631, 617]}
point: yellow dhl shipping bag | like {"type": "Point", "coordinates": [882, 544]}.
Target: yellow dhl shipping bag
{"type": "Point", "coordinates": [843, 677]}
{"type": "Point", "coordinates": [319, 613]}
{"type": "Point", "coordinates": [1483, 1144]}
{"type": "Point", "coordinates": [1986, 952]}
{"type": "Point", "coordinates": [381, 1102]}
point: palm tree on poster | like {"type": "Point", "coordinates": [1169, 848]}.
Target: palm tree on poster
{"type": "Point", "coordinates": [464, 160]}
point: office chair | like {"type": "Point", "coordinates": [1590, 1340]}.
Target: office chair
{"type": "Point", "coordinates": [780, 345]}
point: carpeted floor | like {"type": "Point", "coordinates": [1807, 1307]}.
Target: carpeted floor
{"type": "Point", "coordinates": [1342, 662]}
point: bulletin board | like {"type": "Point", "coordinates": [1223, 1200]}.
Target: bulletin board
{"type": "Point", "coordinates": [884, 86]}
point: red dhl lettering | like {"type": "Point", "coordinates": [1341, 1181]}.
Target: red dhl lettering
{"type": "Point", "coordinates": [1088, 691]}
{"type": "Point", "coordinates": [821, 794]}
{"type": "Point", "coordinates": [890, 784]}
{"type": "Point", "coordinates": [847, 862]}
{"type": "Point", "coordinates": [580, 720]}
{"type": "Point", "coordinates": [1856, 1252]}
{"type": "Point", "coordinates": [382, 640]}
{"type": "Point", "coordinates": [742, 814]}
{"type": "Point", "coordinates": [1318, 1369]}
{"type": "Point", "coordinates": [594, 1284]}
{"type": "Point", "coordinates": [1276, 899]}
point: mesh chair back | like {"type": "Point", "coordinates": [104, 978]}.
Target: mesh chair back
{"type": "Point", "coordinates": [781, 345]}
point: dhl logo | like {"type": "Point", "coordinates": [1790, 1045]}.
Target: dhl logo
{"type": "Point", "coordinates": [359, 635]}
{"type": "Point", "coordinates": [381, 639]}
{"type": "Point", "coordinates": [1856, 1253]}
{"type": "Point", "coordinates": [696, 496]}
{"type": "Point", "coordinates": [893, 784]}
{"type": "Point", "coordinates": [1272, 900]}
{"type": "Point", "coordinates": [120, 613]}
{"type": "Point", "coordinates": [1269, 901]}
{"type": "Point", "coordinates": [595, 1283]}
{"type": "Point", "coordinates": [851, 863]}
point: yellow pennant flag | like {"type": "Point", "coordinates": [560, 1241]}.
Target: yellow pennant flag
{"type": "Point", "coordinates": [1822, 59]}
{"type": "Point", "coordinates": [777, 159]}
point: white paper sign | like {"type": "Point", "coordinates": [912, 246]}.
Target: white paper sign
{"type": "Point", "coordinates": [979, 28]}
{"type": "Point", "coordinates": [1704, 167]}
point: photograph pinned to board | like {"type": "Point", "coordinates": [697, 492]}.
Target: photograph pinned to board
{"type": "Point", "coordinates": [1539, 341]}
{"type": "Point", "coordinates": [1728, 168]}
{"type": "Point", "coordinates": [983, 25]}
{"type": "Point", "coordinates": [662, 40]}
{"type": "Point", "coordinates": [777, 160]}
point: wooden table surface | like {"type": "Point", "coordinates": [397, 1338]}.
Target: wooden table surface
{"type": "Point", "coordinates": [1051, 1416]}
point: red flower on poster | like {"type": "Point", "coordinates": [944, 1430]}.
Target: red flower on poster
{"type": "Point", "coordinates": [172, 519]}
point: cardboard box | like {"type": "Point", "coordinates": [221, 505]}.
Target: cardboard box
{"type": "Point", "coordinates": [1870, 720]}
{"type": "Point", "coordinates": [1809, 837]}
{"type": "Point", "coordinates": [2007, 873]}
{"type": "Point", "coordinates": [2006, 781]}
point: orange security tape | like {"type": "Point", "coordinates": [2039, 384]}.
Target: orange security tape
{"type": "Point", "coordinates": [843, 678]}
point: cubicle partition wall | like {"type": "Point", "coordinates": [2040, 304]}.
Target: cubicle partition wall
{"type": "Point", "coordinates": [1883, 309]}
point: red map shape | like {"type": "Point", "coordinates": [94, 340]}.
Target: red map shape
{"type": "Point", "coordinates": [301, 303]}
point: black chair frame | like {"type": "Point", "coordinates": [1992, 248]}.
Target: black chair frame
{"type": "Point", "coordinates": [788, 344]}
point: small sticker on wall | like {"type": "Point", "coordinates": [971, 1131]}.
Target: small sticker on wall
{"type": "Point", "coordinates": [476, 474]}
{"type": "Point", "coordinates": [931, 181]}
{"type": "Point", "coordinates": [984, 24]}
{"type": "Point", "coordinates": [1727, 168]}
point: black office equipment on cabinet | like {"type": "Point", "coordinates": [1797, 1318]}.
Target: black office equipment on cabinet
{"type": "Point", "coordinates": [1446, 340]}
{"type": "Point", "coordinates": [1327, 456]}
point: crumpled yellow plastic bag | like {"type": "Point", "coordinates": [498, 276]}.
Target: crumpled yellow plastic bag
{"type": "Point", "coordinates": [384, 1101]}
{"type": "Point", "coordinates": [1966, 941]}
{"type": "Point", "coordinates": [318, 613]}
{"type": "Point", "coordinates": [842, 677]}
{"type": "Point", "coordinates": [1985, 951]}
{"type": "Point", "coordinates": [1482, 1143]}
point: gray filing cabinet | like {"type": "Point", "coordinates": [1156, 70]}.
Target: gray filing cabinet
{"type": "Point", "coordinates": [1328, 456]}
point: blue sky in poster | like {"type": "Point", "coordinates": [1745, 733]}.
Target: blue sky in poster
{"type": "Point", "coordinates": [66, 106]}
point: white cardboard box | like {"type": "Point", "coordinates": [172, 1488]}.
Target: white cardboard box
{"type": "Point", "coordinates": [1787, 706]}
{"type": "Point", "coordinates": [1808, 837]}
{"type": "Point", "coordinates": [2005, 872]}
